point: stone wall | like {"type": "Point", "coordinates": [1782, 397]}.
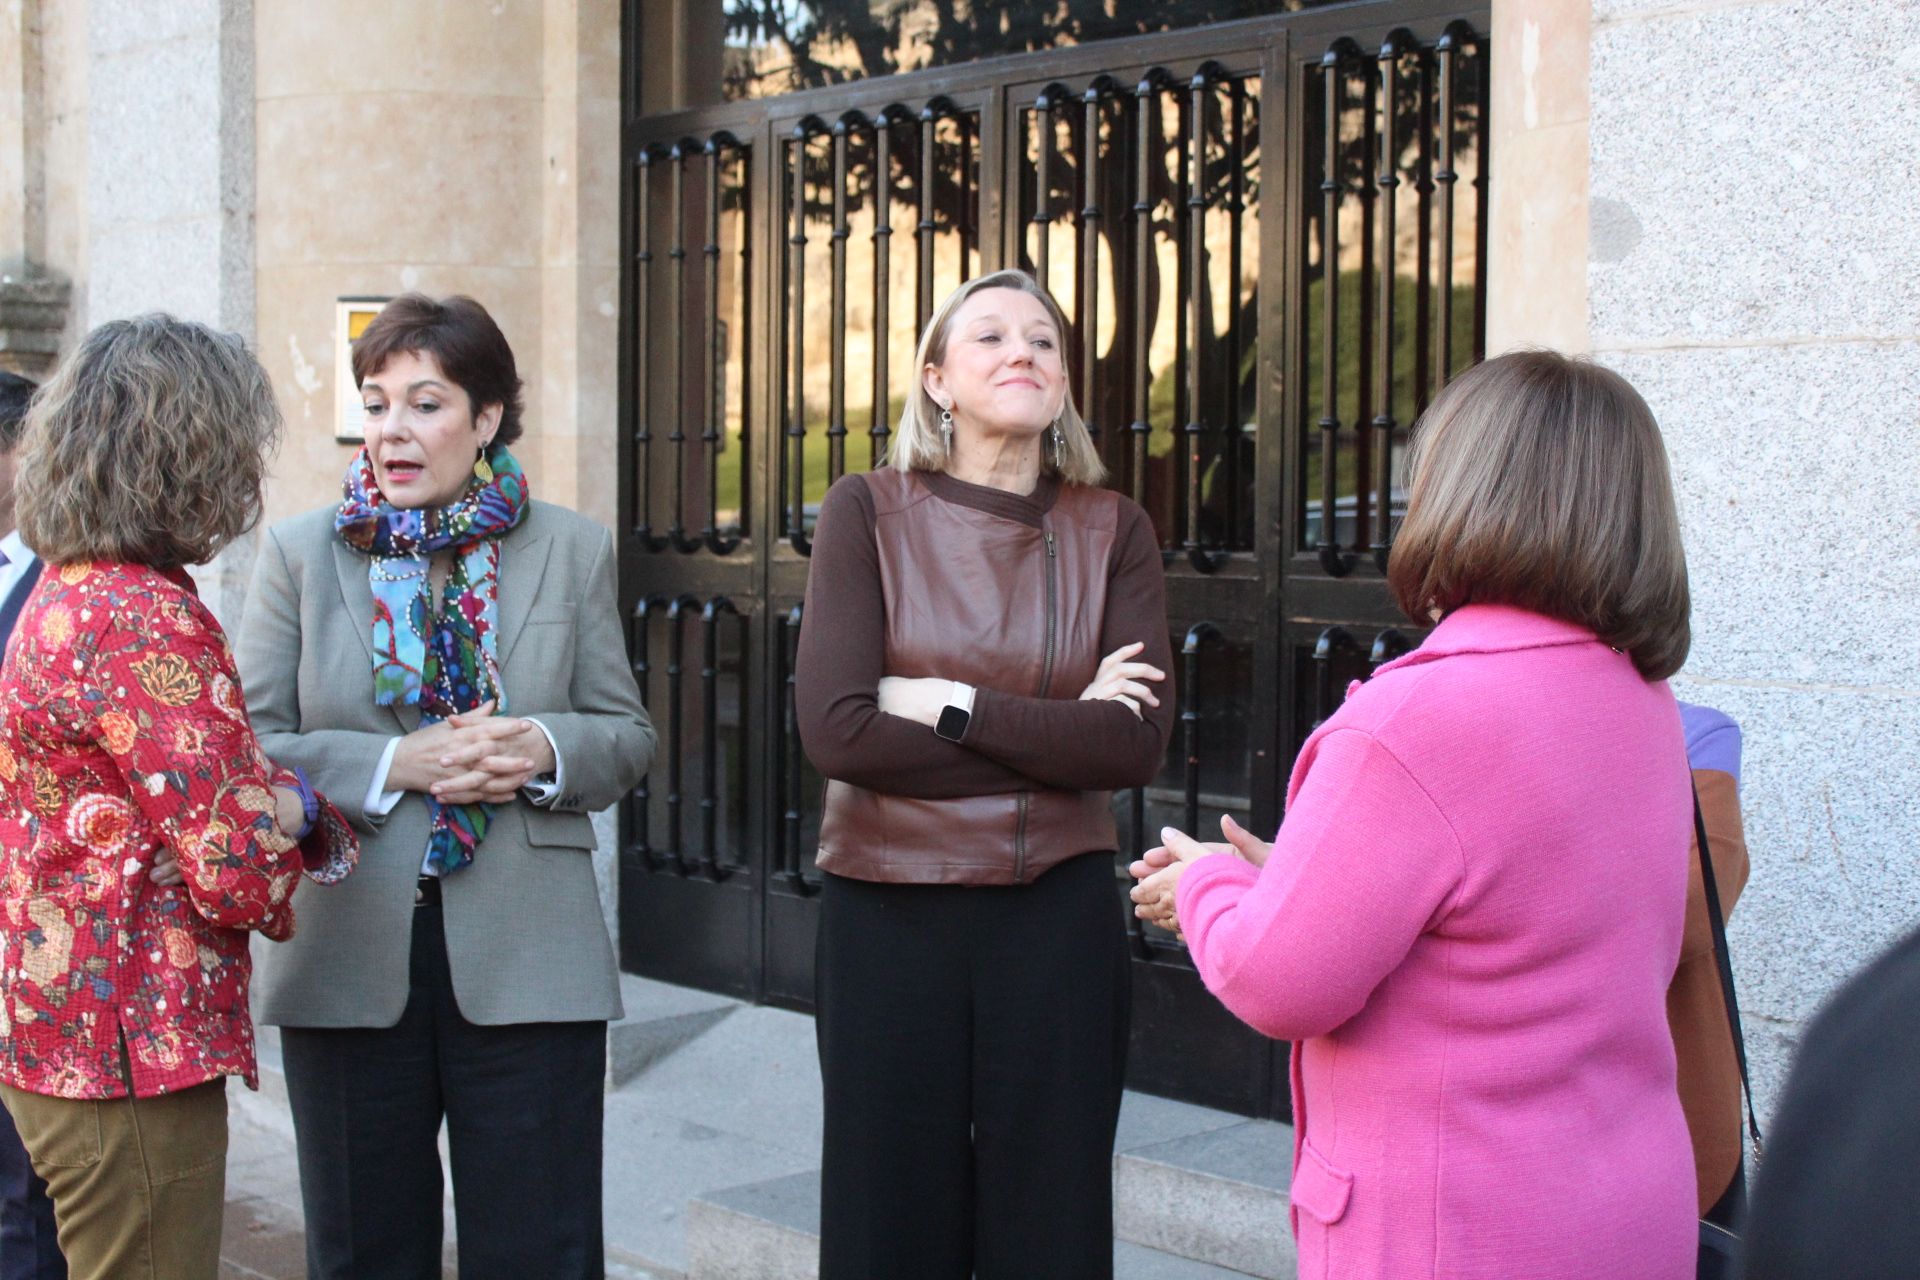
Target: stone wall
{"type": "Point", "coordinates": [1750, 270]}
{"type": "Point", "coordinates": [487, 166]}
{"type": "Point", "coordinates": [170, 160]}
{"type": "Point", "coordinates": [43, 77]}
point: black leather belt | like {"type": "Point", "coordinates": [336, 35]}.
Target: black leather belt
{"type": "Point", "coordinates": [426, 892]}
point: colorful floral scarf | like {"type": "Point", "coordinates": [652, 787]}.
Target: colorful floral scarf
{"type": "Point", "coordinates": [443, 664]}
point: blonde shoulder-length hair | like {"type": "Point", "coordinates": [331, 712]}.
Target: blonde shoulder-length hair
{"type": "Point", "coordinates": [1541, 482]}
{"type": "Point", "coordinates": [149, 445]}
{"type": "Point", "coordinates": [917, 445]}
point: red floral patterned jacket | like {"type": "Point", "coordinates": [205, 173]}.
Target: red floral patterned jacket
{"type": "Point", "coordinates": [122, 732]}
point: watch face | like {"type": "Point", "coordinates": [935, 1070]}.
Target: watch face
{"type": "Point", "coordinates": [953, 723]}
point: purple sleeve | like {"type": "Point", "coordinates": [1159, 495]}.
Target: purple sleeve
{"type": "Point", "coordinates": [1713, 739]}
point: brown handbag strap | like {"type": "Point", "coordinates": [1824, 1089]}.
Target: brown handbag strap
{"type": "Point", "coordinates": [1724, 962]}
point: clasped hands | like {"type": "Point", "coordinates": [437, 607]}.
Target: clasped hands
{"type": "Point", "coordinates": [1158, 871]}
{"type": "Point", "coordinates": [1119, 679]}
{"type": "Point", "coordinates": [473, 758]}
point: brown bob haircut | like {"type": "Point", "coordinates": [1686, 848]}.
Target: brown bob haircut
{"type": "Point", "coordinates": [1541, 482]}
{"type": "Point", "coordinates": [458, 333]}
{"type": "Point", "coordinates": [149, 445]}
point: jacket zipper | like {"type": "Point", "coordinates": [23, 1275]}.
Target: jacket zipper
{"type": "Point", "coordinates": [1046, 679]}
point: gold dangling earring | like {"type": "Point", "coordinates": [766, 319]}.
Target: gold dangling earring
{"type": "Point", "coordinates": [946, 429]}
{"type": "Point", "coordinates": [482, 470]}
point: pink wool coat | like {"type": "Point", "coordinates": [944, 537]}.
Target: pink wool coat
{"type": "Point", "coordinates": [1468, 922]}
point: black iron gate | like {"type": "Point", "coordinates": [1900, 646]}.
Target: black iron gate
{"type": "Point", "coordinates": [1270, 237]}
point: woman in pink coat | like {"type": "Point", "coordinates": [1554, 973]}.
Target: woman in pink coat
{"type": "Point", "coordinates": [1470, 917]}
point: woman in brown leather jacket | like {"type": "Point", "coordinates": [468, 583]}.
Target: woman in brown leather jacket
{"type": "Point", "coordinates": [982, 662]}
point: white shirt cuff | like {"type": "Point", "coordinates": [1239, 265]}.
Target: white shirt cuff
{"type": "Point", "coordinates": [379, 801]}
{"type": "Point", "coordinates": [543, 790]}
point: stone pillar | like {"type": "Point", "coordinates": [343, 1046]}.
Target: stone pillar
{"type": "Point", "coordinates": [170, 160]}
{"type": "Point", "coordinates": [33, 300]}
{"type": "Point", "coordinates": [1750, 271]}
{"type": "Point", "coordinates": [170, 184]}
{"type": "Point", "coordinates": [576, 401]}
{"type": "Point", "coordinates": [1537, 243]}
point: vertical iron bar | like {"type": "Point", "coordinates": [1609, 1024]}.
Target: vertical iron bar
{"type": "Point", "coordinates": [1197, 635]}
{"type": "Point", "coordinates": [1178, 221]}
{"type": "Point", "coordinates": [1388, 180]}
{"type": "Point", "coordinates": [881, 429]}
{"type": "Point", "coordinates": [715, 363]}
{"type": "Point", "coordinates": [643, 794]}
{"type": "Point", "coordinates": [1423, 270]}
{"type": "Point", "coordinates": [676, 654]}
{"type": "Point", "coordinates": [1482, 194]}
{"type": "Point", "coordinates": [1332, 191]}
{"type": "Point", "coordinates": [1090, 215]}
{"type": "Point", "coordinates": [747, 384]}
{"type": "Point", "coordinates": [710, 739]}
{"type": "Point", "coordinates": [837, 313]}
{"type": "Point", "coordinates": [929, 117]}
{"type": "Point", "coordinates": [790, 747]}
{"type": "Point", "coordinates": [677, 531]}
{"type": "Point", "coordinates": [1144, 150]}
{"type": "Point", "coordinates": [1137, 812]}
{"type": "Point", "coordinates": [796, 340]}
{"type": "Point", "coordinates": [1043, 185]}
{"type": "Point", "coordinates": [1365, 409]}
{"type": "Point", "coordinates": [1233, 429]}
{"type": "Point", "coordinates": [1446, 50]}
{"type": "Point", "coordinates": [969, 230]}
{"type": "Point", "coordinates": [643, 429]}
{"type": "Point", "coordinates": [1194, 348]}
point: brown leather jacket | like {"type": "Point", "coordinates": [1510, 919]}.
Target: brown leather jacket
{"type": "Point", "coordinates": [1009, 594]}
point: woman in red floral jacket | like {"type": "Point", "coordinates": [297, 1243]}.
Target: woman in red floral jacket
{"type": "Point", "coordinates": [143, 834]}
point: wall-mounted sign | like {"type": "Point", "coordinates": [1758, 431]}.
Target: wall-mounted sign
{"type": "Point", "coordinates": [351, 316]}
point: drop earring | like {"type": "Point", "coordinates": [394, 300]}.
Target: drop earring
{"type": "Point", "coordinates": [1059, 442]}
{"type": "Point", "coordinates": [482, 469]}
{"type": "Point", "coordinates": [946, 429]}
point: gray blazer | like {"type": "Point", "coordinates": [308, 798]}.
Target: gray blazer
{"type": "Point", "coordinates": [525, 937]}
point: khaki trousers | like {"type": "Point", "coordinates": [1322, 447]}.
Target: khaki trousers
{"type": "Point", "coordinates": [138, 1184]}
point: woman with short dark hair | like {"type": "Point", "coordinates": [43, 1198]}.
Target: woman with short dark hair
{"type": "Point", "coordinates": [447, 652]}
{"type": "Point", "coordinates": [1469, 919]}
{"type": "Point", "coordinates": [143, 835]}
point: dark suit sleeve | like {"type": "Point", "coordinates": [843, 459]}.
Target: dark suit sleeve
{"type": "Point", "coordinates": [339, 762]}
{"type": "Point", "coordinates": [16, 599]}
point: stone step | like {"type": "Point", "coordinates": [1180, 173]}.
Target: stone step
{"type": "Point", "coordinates": [1217, 1196]}
{"type": "Point", "coordinates": [661, 1018]}
{"type": "Point", "coordinates": [770, 1231]}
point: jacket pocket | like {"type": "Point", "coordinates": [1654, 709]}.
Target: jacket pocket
{"type": "Point", "coordinates": [1319, 1197]}
{"type": "Point", "coordinates": [548, 828]}
{"type": "Point", "coordinates": [64, 1132]}
{"type": "Point", "coordinates": [1321, 1189]}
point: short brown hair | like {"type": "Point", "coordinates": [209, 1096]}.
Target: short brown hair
{"type": "Point", "coordinates": [459, 334]}
{"type": "Point", "coordinates": [1541, 482]}
{"type": "Point", "coordinates": [149, 445]}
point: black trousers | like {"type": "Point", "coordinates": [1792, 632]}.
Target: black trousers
{"type": "Point", "coordinates": [523, 1107]}
{"type": "Point", "coordinates": [972, 1048]}
{"type": "Point", "coordinates": [29, 1243]}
